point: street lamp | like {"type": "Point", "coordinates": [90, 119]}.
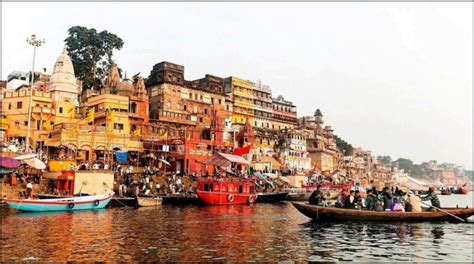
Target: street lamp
{"type": "Point", "coordinates": [35, 42]}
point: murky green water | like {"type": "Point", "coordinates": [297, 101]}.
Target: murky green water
{"type": "Point", "coordinates": [263, 232]}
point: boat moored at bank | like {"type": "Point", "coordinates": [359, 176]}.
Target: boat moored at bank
{"type": "Point", "coordinates": [61, 204]}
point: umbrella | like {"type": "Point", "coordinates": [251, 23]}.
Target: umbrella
{"type": "Point", "coordinates": [9, 163]}
{"type": "Point", "coordinates": [25, 157]}
{"type": "Point", "coordinates": [35, 163]}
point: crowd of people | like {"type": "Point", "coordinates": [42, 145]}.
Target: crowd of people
{"type": "Point", "coordinates": [385, 200]}
{"type": "Point", "coordinates": [147, 183]}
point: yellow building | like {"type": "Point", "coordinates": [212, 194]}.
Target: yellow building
{"type": "Point", "coordinates": [243, 96]}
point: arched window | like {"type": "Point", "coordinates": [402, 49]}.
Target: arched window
{"type": "Point", "coordinates": [133, 108]}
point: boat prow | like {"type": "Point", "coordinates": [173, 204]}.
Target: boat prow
{"type": "Point", "coordinates": [320, 213]}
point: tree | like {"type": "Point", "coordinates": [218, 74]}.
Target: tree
{"type": "Point", "coordinates": [345, 147]}
{"type": "Point", "coordinates": [91, 53]}
{"type": "Point", "coordinates": [386, 160]}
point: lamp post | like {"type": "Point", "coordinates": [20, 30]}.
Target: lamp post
{"type": "Point", "coordinates": [35, 42]}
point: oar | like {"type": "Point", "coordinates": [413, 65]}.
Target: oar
{"type": "Point", "coordinates": [448, 213]}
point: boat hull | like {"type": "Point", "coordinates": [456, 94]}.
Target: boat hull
{"type": "Point", "coordinates": [320, 213]}
{"type": "Point", "coordinates": [222, 198]}
{"type": "Point", "coordinates": [149, 201]}
{"type": "Point", "coordinates": [62, 204]}
{"type": "Point", "coordinates": [271, 197]}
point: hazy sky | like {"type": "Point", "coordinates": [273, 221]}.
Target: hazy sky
{"type": "Point", "coordinates": [395, 78]}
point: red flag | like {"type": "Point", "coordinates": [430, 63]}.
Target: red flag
{"type": "Point", "coordinates": [242, 151]}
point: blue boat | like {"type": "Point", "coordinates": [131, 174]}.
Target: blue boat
{"type": "Point", "coordinates": [61, 204]}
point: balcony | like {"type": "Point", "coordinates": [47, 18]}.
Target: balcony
{"type": "Point", "coordinates": [44, 110]}
{"type": "Point", "coordinates": [168, 116]}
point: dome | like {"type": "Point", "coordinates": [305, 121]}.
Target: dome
{"type": "Point", "coordinates": [63, 78]}
{"type": "Point", "coordinates": [125, 87]}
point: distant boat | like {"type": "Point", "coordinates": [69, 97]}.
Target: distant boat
{"type": "Point", "coordinates": [61, 204]}
{"type": "Point", "coordinates": [463, 190]}
{"type": "Point", "coordinates": [320, 213]}
{"type": "Point", "coordinates": [149, 201]}
{"type": "Point", "coordinates": [272, 197]}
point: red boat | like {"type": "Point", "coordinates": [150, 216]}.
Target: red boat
{"type": "Point", "coordinates": [463, 190]}
{"type": "Point", "coordinates": [226, 191]}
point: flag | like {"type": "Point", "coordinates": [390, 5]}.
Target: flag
{"type": "Point", "coordinates": [47, 125]}
{"type": "Point", "coordinates": [71, 111]}
{"type": "Point", "coordinates": [137, 132]}
{"type": "Point", "coordinates": [90, 117]}
{"type": "Point", "coordinates": [242, 151]}
{"type": "Point", "coordinates": [165, 135]}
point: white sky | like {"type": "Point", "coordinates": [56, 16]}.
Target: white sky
{"type": "Point", "coordinates": [395, 78]}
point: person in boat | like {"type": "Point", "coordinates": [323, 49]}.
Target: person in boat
{"type": "Point", "coordinates": [349, 203]}
{"type": "Point", "coordinates": [190, 189]}
{"type": "Point", "coordinates": [357, 199]}
{"type": "Point", "coordinates": [387, 198]}
{"type": "Point", "coordinates": [433, 198]}
{"type": "Point", "coordinates": [413, 203]}
{"type": "Point", "coordinates": [370, 200]}
{"type": "Point", "coordinates": [397, 206]}
{"type": "Point", "coordinates": [316, 197]}
{"type": "Point", "coordinates": [29, 189]}
{"type": "Point", "coordinates": [341, 199]}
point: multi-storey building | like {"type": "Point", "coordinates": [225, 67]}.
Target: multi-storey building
{"type": "Point", "coordinates": [243, 96]}
{"type": "Point", "coordinates": [294, 153]}
{"type": "Point", "coordinates": [262, 105]}
{"type": "Point", "coordinates": [190, 117]}
{"type": "Point", "coordinates": [283, 114]}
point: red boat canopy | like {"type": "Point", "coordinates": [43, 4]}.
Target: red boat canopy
{"type": "Point", "coordinates": [224, 160]}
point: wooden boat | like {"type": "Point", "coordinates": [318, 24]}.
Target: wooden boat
{"type": "Point", "coordinates": [123, 202]}
{"type": "Point", "coordinates": [226, 191]}
{"type": "Point", "coordinates": [149, 201]}
{"type": "Point", "coordinates": [446, 192]}
{"type": "Point", "coordinates": [181, 199]}
{"type": "Point", "coordinates": [320, 213]}
{"type": "Point", "coordinates": [273, 197]}
{"type": "Point", "coordinates": [61, 204]}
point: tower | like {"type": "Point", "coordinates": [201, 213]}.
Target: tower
{"type": "Point", "coordinates": [246, 136]}
{"type": "Point", "coordinates": [63, 84]}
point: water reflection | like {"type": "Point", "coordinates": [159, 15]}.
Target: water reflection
{"type": "Point", "coordinates": [226, 233]}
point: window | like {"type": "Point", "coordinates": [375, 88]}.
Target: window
{"type": "Point", "coordinates": [17, 123]}
{"type": "Point", "coordinates": [19, 105]}
{"type": "Point", "coordinates": [25, 123]}
{"type": "Point", "coordinates": [60, 110]}
{"type": "Point", "coordinates": [200, 119]}
{"type": "Point", "coordinates": [212, 100]}
{"type": "Point", "coordinates": [185, 107]}
{"type": "Point", "coordinates": [118, 126]}
{"type": "Point", "coordinates": [9, 106]}
{"type": "Point", "coordinates": [190, 95]}
{"type": "Point", "coordinates": [220, 101]}
{"type": "Point", "coordinates": [205, 111]}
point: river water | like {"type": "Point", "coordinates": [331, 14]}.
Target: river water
{"type": "Point", "coordinates": [261, 232]}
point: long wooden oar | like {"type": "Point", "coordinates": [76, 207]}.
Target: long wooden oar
{"type": "Point", "coordinates": [448, 213]}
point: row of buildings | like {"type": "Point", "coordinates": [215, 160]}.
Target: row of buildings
{"type": "Point", "coordinates": [167, 116]}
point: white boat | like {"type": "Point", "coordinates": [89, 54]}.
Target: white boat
{"type": "Point", "coordinates": [61, 204]}
{"type": "Point", "coordinates": [149, 201]}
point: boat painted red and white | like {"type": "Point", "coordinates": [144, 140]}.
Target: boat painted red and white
{"type": "Point", "coordinates": [226, 191]}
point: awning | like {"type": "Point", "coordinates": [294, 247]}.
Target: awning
{"type": "Point", "coordinates": [9, 163]}
{"type": "Point", "coordinates": [224, 160]}
{"type": "Point", "coordinates": [35, 163]}
{"type": "Point", "coordinates": [25, 157]}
